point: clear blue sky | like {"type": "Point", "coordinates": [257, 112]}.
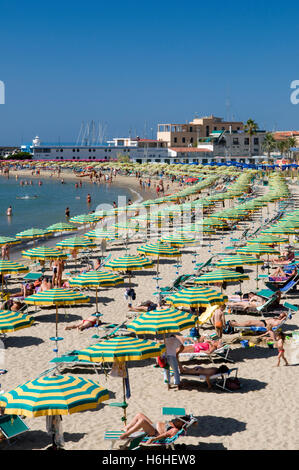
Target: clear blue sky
{"type": "Point", "coordinates": [133, 64]}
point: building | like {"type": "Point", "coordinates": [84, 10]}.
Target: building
{"type": "Point", "coordinates": [190, 134]}
{"type": "Point", "coordinates": [6, 151]}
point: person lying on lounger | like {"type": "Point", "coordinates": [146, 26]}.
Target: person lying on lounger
{"type": "Point", "coordinates": [246, 302]}
{"type": "Point", "coordinates": [160, 430]}
{"type": "Point", "coordinates": [287, 257]}
{"type": "Point", "coordinates": [205, 371]}
{"type": "Point", "coordinates": [202, 345]}
{"type": "Point", "coordinates": [267, 323]}
{"type": "Point", "coordinates": [83, 324]}
{"type": "Point", "coordinates": [284, 273]}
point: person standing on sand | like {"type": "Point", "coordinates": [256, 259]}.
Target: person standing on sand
{"type": "Point", "coordinates": [280, 339]}
{"type": "Point", "coordinates": [218, 320]}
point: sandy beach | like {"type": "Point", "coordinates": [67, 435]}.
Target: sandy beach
{"type": "Point", "coordinates": [263, 414]}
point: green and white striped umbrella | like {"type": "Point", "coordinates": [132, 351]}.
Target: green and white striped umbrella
{"type": "Point", "coordinates": [11, 267]}
{"type": "Point", "coordinates": [176, 240]}
{"type": "Point", "coordinates": [129, 263]}
{"type": "Point", "coordinates": [33, 233]}
{"type": "Point", "coordinates": [101, 234]}
{"type": "Point", "coordinates": [53, 395]}
{"type": "Point", "coordinates": [121, 349]}
{"type": "Point", "coordinates": [257, 249]}
{"type": "Point", "coordinates": [57, 296]}
{"type": "Point", "coordinates": [85, 219]}
{"type": "Point", "coordinates": [43, 252]}
{"type": "Point", "coordinates": [162, 321]}
{"type": "Point", "coordinates": [8, 241]}
{"type": "Point", "coordinates": [96, 279]}
{"type": "Point", "coordinates": [159, 249]}
{"type": "Point", "coordinates": [13, 321]}
{"type": "Point", "coordinates": [76, 242]}
{"type": "Point", "coordinates": [220, 276]}
{"type": "Point", "coordinates": [236, 261]}
{"type": "Point", "coordinates": [195, 297]}
{"type": "Point", "coordinates": [268, 240]}
{"type": "Point", "coordinates": [62, 227]}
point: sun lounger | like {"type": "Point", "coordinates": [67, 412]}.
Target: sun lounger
{"type": "Point", "coordinates": [11, 426]}
{"type": "Point", "coordinates": [201, 266]}
{"type": "Point", "coordinates": [140, 438]}
{"type": "Point", "coordinates": [262, 329]}
{"type": "Point", "coordinates": [220, 379]}
{"type": "Point", "coordinates": [177, 284]}
{"type": "Point", "coordinates": [261, 309]}
{"type": "Point", "coordinates": [222, 353]}
{"type": "Point", "coordinates": [72, 361]}
{"type": "Point", "coordinates": [289, 285]}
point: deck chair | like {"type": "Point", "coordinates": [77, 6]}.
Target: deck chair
{"type": "Point", "coordinates": [207, 314]}
{"type": "Point", "coordinates": [262, 329]}
{"type": "Point", "coordinates": [258, 310]}
{"type": "Point", "coordinates": [284, 288]}
{"type": "Point", "coordinates": [177, 284]}
{"type": "Point", "coordinates": [140, 438]}
{"type": "Point", "coordinates": [11, 426]}
{"type": "Point", "coordinates": [222, 353]}
{"type": "Point", "coordinates": [72, 361]}
{"type": "Point", "coordinates": [220, 379]}
{"type": "Point", "coordinates": [201, 267]}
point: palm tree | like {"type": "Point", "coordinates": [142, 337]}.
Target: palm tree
{"type": "Point", "coordinates": [250, 128]}
{"type": "Point", "coordinates": [269, 144]}
{"type": "Point", "coordinates": [282, 147]}
{"type": "Point", "coordinates": [291, 144]}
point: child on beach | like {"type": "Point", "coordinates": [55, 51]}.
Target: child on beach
{"type": "Point", "coordinates": [280, 339]}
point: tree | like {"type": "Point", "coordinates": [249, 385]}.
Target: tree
{"type": "Point", "coordinates": [250, 128]}
{"type": "Point", "coordinates": [269, 144]}
{"type": "Point", "coordinates": [282, 147]}
{"type": "Point", "coordinates": [19, 156]}
{"type": "Point", "coordinates": [291, 142]}
{"type": "Point", "coordinates": [123, 158]}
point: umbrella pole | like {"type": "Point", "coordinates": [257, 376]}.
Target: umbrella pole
{"type": "Point", "coordinates": [97, 311]}
{"type": "Point", "coordinates": [56, 328]}
{"type": "Point", "coordinates": [168, 383]}
{"type": "Point", "coordinates": [124, 401]}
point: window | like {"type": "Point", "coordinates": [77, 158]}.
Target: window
{"type": "Point", "coordinates": [246, 141]}
{"type": "Point", "coordinates": [207, 131]}
{"type": "Point", "coordinates": [183, 140]}
{"type": "Point", "coordinates": [61, 150]}
{"type": "Point", "coordinates": [175, 140]}
{"type": "Point", "coordinates": [191, 140]}
{"type": "Point", "coordinates": [235, 141]}
{"type": "Point", "coordinates": [256, 141]}
{"type": "Point", "coordinates": [78, 150]}
{"type": "Point", "coordinates": [191, 129]}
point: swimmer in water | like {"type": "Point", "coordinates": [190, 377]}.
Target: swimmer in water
{"type": "Point", "coordinates": [88, 198]}
{"type": "Point", "coordinates": [9, 211]}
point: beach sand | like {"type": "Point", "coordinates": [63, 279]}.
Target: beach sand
{"type": "Point", "coordinates": [263, 414]}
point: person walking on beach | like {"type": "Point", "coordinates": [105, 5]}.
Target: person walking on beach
{"type": "Point", "coordinates": [173, 347]}
{"type": "Point", "coordinates": [9, 211]}
{"type": "Point", "coordinates": [280, 339]}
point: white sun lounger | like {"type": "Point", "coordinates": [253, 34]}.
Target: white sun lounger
{"type": "Point", "coordinates": [262, 329]}
{"type": "Point", "coordinates": [222, 353]}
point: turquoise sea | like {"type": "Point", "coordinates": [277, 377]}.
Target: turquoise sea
{"type": "Point", "coordinates": [51, 201]}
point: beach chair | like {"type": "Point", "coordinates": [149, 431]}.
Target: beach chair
{"type": "Point", "coordinates": [201, 267]}
{"type": "Point", "coordinates": [207, 314]}
{"type": "Point", "coordinates": [220, 379]}
{"type": "Point", "coordinates": [71, 361]}
{"type": "Point", "coordinates": [140, 438]}
{"type": "Point", "coordinates": [11, 426]}
{"type": "Point", "coordinates": [178, 283]}
{"type": "Point", "coordinates": [261, 309]}
{"type": "Point", "coordinates": [222, 353]}
{"type": "Point", "coordinates": [284, 288]}
{"type": "Point", "coordinates": [262, 329]}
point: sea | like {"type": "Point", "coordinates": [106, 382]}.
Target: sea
{"type": "Point", "coordinates": [40, 206]}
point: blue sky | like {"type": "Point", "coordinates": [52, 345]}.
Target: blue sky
{"type": "Point", "coordinates": [134, 64]}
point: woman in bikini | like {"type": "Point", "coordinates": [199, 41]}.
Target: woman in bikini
{"type": "Point", "coordinates": [280, 339]}
{"type": "Point", "coordinates": [83, 324]}
{"type": "Point", "coordinates": [207, 372]}
{"type": "Point", "coordinates": [202, 345]}
{"type": "Point", "coordinates": [160, 430]}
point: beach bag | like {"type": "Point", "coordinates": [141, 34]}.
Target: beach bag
{"type": "Point", "coordinates": [228, 330]}
{"type": "Point", "coordinates": [194, 333]}
{"type": "Point", "coordinates": [162, 362]}
{"type": "Point", "coordinates": [233, 383]}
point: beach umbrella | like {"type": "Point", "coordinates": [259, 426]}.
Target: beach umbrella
{"type": "Point", "coordinates": [159, 250]}
{"type": "Point", "coordinates": [162, 321]}
{"type": "Point", "coordinates": [8, 241]}
{"type": "Point", "coordinates": [13, 321]}
{"type": "Point", "coordinates": [197, 296]}
{"type": "Point", "coordinates": [257, 249]}
{"type": "Point", "coordinates": [53, 395]}
{"type": "Point", "coordinates": [11, 267]}
{"type": "Point", "coordinates": [33, 233]}
{"type": "Point", "coordinates": [129, 263]}
{"type": "Point", "coordinates": [220, 276]}
{"type": "Point", "coordinates": [44, 253]}
{"type": "Point", "coordinates": [75, 243]}
{"type": "Point", "coordinates": [57, 296]}
{"type": "Point", "coordinates": [96, 279]}
{"type": "Point", "coordinates": [85, 219]}
{"type": "Point", "coordinates": [176, 240]}
{"type": "Point", "coordinates": [101, 234]}
{"type": "Point", "coordinates": [121, 350]}
{"type": "Point", "coordinates": [237, 261]}
{"type": "Point", "coordinates": [62, 227]}
{"type": "Point", "coordinates": [268, 240]}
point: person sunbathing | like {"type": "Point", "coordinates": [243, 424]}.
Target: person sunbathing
{"type": "Point", "coordinates": [160, 430]}
{"type": "Point", "coordinates": [207, 372]}
{"type": "Point", "coordinates": [246, 302]}
{"type": "Point", "coordinates": [202, 345]}
{"type": "Point", "coordinates": [83, 324]}
{"type": "Point", "coordinates": [286, 258]}
{"type": "Point", "coordinates": [26, 290]}
{"type": "Point", "coordinates": [283, 274]}
{"type": "Point", "coordinates": [144, 307]}
{"type": "Point", "coordinates": [267, 323]}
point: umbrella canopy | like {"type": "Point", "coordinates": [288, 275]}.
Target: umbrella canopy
{"type": "Point", "coordinates": [177, 240]}
{"type": "Point", "coordinates": [220, 276]}
{"type": "Point", "coordinates": [62, 227]}
{"type": "Point", "coordinates": [13, 321]}
{"type": "Point", "coordinates": [57, 296]}
{"type": "Point", "coordinates": [101, 234]}
{"type": "Point", "coordinates": [121, 349]}
{"type": "Point", "coordinates": [8, 241]}
{"type": "Point", "coordinates": [268, 240]}
{"type": "Point", "coordinates": [236, 261]}
{"type": "Point", "coordinates": [10, 267]}
{"type": "Point", "coordinates": [85, 219]}
{"type": "Point", "coordinates": [43, 252]}
{"type": "Point", "coordinates": [54, 395]}
{"type": "Point", "coordinates": [162, 321]}
{"type": "Point", "coordinates": [258, 250]}
{"type": "Point", "coordinates": [33, 233]}
{"type": "Point", "coordinates": [76, 242]}
{"type": "Point", "coordinates": [159, 249]}
{"type": "Point", "coordinates": [129, 263]}
{"type": "Point", "coordinates": [195, 297]}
